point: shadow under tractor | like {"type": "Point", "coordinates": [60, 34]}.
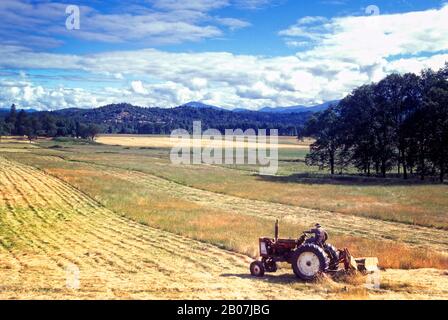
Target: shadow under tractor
{"type": "Point", "coordinates": [308, 259]}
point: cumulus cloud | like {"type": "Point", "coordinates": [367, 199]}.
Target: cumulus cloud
{"type": "Point", "coordinates": [218, 78]}
{"type": "Point", "coordinates": [155, 22]}
{"type": "Point", "coordinates": [342, 53]}
{"type": "Point", "coordinates": [367, 39]}
{"type": "Point", "coordinates": [137, 87]}
{"type": "Point", "coordinates": [28, 95]}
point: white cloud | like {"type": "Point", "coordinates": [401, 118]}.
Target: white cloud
{"type": "Point", "coordinates": [28, 95]}
{"type": "Point", "coordinates": [232, 23]}
{"type": "Point", "coordinates": [218, 78]}
{"type": "Point", "coordinates": [156, 22]}
{"type": "Point", "coordinates": [137, 87]}
{"type": "Point", "coordinates": [344, 53]}
{"type": "Point", "coordinates": [252, 4]}
{"type": "Point", "coordinates": [367, 39]}
{"type": "Point", "coordinates": [198, 83]}
{"type": "Point", "coordinates": [416, 64]}
{"type": "Point", "coordinates": [198, 5]}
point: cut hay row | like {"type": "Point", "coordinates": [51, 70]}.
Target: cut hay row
{"type": "Point", "coordinates": [48, 228]}
{"type": "Point", "coordinates": [335, 222]}
{"type": "Point", "coordinates": [52, 226]}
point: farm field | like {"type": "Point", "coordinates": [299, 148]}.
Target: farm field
{"type": "Point", "coordinates": [412, 202]}
{"type": "Point", "coordinates": [137, 226]}
{"type": "Point", "coordinates": [156, 141]}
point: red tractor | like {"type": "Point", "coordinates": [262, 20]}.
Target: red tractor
{"type": "Point", "coordinates": [308, 259]}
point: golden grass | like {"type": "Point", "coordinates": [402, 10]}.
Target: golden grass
{"type": "Point", "coordinates": [116, 257]}
{"type": "Point", "coordinates": [167, 142]}
{"type": "Point", "coordinates": [393, 255]}
{"type": "Point", "coordinates": [391, 200]}
{"type": "Point", "coordinates": [232, 231]}
{"type": "Point", "coordinates": [133, 260]}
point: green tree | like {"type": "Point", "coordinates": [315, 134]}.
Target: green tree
{"type": "Point", "coordinates": [48, 124]}
{"type": "Point", "coordinates": [358, 131]}
{"type": "Point", "coordinates": [325, 129]}
{"type": "Point", "coordinates": [400, 122]}
{"type": "Point", "coordinates": [11, 119]}
{"type": "Point", "coordinates": [21, 123]}
{"type": "Point", "coordinates": [437, 106]}
{"type": "Point", "coordinates": [3, 130]}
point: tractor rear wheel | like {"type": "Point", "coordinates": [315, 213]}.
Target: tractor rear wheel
{"type": "Point", "coordinates": [257, 269]}
{"type": "Point", "coordinates": [333, 254]}
{"type": "Point", "coordinates": [309, 261]}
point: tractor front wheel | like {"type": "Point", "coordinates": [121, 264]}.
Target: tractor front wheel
{"type": "Point", "coordinates": [257, 269]}
{"type": "Point", "coordinates": [309, 261]}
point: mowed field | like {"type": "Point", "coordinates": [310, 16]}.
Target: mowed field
{"type": "Point", "coordinates": [158, 141]}
{"type": "Point", "coordinates": [137, 226]}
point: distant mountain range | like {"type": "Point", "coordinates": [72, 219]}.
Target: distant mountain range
{"type": "Point", "coordinates": [126, 118]}
{"type": "Point", "coordinates": [5, 110]}
{"type": "Point", "coordinates": [200, 105]}
{"type": "Point", "coordinates": [298, 109]}
{"type": "Point", "coordinates": [291, 109]}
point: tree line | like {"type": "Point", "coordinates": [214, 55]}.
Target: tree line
{"type": "Point", "coordinates": [128, 119]}
{"type": "Point", "coordinates": [32, 125]}
{"type": "Point", "coordinates": [399, 124]}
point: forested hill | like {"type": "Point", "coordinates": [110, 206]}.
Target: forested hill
{"type": "Point", "coordinates": [125, 118]}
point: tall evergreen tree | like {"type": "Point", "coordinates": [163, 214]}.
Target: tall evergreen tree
{"type": "Point", "coordinates": [11, 119]}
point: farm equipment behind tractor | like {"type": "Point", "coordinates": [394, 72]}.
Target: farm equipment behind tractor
{"type": "Point", "coordinates": [308, 259]}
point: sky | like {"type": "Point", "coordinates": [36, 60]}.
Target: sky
{"type": "Point", "coordinates": [229, 53]}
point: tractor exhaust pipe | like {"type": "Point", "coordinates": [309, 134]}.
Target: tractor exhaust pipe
{"type": "Point", "coordinates": [276, 230]}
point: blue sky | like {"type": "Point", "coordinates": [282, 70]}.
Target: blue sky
{"type": "Point", "coordinates": [231, 53]}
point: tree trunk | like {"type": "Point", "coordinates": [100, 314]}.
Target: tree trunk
{"type": "Point", "coordinates": [422, 165]}
{"type": "Point", "coordinates": [405, 167]}
{"type": "Point", "coordinates": [332, 164]}
{"type": "Point", "coordinates": [442, 169]}
{"type": "Point", "coordinates": [405, 171]}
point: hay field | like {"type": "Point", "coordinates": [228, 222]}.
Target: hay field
{"type": "Point", "coordinates": [48, 227]}
{"type": "Point", "coordinates": [134, 234]}
{"type": "Point", "coordinates": [411, 202]}
{"type": "Point", "coordinates": [154, 141]}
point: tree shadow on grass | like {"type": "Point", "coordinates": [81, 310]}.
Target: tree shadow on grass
{"type": "Point", "coordinates": [349, 180]}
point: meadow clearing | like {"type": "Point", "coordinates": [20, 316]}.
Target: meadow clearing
{"type": "Point", "coordinates": [138, 226]}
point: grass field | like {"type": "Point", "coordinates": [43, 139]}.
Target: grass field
{"type": "Point", "coordinates": [75, 203]}
{"type": "Point", "coordinates": [412, 202]}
